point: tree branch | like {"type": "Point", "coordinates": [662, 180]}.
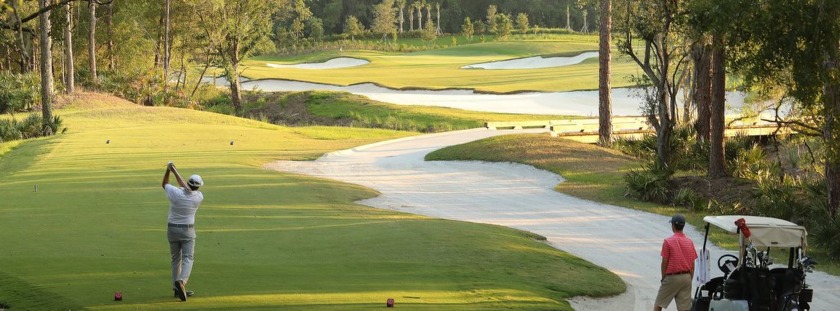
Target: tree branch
{"type": "Point", "coordinates": [57, 4]}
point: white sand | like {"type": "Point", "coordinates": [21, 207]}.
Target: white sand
{"type": "Point", "coordinates": [535, 62]}
{"type": "Point", "coordinates": [335, 63]}
{"type": "Point", "coordinates": [579, 103]}
{"type": "Point", "coordinates": [624, 241]}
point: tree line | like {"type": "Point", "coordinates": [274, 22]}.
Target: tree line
{"type": "Point", "coordinates": [784, 52]}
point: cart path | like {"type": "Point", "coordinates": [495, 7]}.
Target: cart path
{"type": "Point", "coordinates": [625, 241]}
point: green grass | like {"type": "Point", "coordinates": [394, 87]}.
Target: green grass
{"type": "Point", "coordinates": [266, 239]}
{"type": "Point", "coordinates": [440, 68]}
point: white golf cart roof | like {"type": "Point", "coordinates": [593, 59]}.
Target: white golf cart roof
{"type": "Point", "coordinates": [766, 231]}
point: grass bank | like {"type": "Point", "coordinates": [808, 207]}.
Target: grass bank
{"type": "Point", "coordinates": [345, 109]}
{"type": "Point", "coordinates": [265, 239]}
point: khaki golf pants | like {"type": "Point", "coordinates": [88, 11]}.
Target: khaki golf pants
{"type": "Point", "coordinates": [181, 246]}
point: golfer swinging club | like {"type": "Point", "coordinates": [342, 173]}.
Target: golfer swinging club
{"type": "Point", "coordinates": [183, 203]}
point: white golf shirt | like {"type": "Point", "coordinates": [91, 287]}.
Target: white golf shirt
{"type": "Point", "coordinates": [182, 205]}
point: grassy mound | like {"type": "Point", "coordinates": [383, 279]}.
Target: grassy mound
{"type": "Point", "coordinates": [96, 225]}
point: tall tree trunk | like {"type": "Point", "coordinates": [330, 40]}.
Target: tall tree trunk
{"type": "Point", "coordinates": [411, 18]}
{"type": "Point", "coordinates": [831, 129]}
{"type": "Point", "coordinates": [663, 139]}
{"type": "Point", "coordinates": [604, 98]}
{"type": "Point", "coordinates": [235, 88]}
{"type": "Point", "coordinates": [109, 25]}
{"type": "Point", "coordinates": [438, 30]}
{"type": "Point", "coordinates": [585, 28]}
{"type": "Point", "coordinates": [46, 69]}
{"type": "Point", "coordinates": [69, 72]}
{"type": "Point", "coordinates": [568, 19]}
{"type": "Point", "coordinates": [233, 78]}
{"type": "Point", "coordinates": [92, 43]}
{"type": "Point", "coordinates": [701, 54]}
{"type": "Point", "coordinates": [717, 168]}
{"type": "Point", "coordinates": [25, 60]}
{"type": "Point", "coordinates": [420, 18]}
{"type": "Point", "coordinates": [166, 51]}
{"type": "Point", "coordinates": [402, 17]}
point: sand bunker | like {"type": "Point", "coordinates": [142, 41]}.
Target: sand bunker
{"type": "Point", "coordinates": [335, 63]}
{"type": "Point", "coordinates": [625, 102]}
{"type": "Point", "coordinates": [535, 62]}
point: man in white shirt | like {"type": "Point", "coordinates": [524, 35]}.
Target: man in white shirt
{"type": "Point", "coordinates": [183, 203]}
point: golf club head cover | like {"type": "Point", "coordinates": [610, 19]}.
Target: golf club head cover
{"type": "Point", "coordinates": [742, 225]}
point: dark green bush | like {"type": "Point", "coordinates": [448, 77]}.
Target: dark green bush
{"type": "Point", "coordinates": [18, 92]}
{"type": "Point", "coordinates": [649, 184]}
{"type": "Point", "coordinates": [9, 131]}
{"type": "Point", "coordinates": [826, 233]}
{"type": "Point", "coordinates": [30, 127]}
{"type": "Point", "coordinates": [689, 199]}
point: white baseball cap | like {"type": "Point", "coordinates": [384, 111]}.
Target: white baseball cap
{"type": "Point", "coordinates": [195, 181]}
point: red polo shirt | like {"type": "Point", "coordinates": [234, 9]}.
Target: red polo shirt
{"type": "Point", "coordinates": [680, 252]}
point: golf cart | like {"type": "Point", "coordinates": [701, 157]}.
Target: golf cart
{"type": "Point", "coordinates": [750, 281]}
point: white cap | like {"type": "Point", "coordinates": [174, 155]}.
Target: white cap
{"type": "Point", "coordinates": [195, 181]}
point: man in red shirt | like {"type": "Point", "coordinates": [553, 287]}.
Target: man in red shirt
{"type": "Point", "coordinates": [678, 255]}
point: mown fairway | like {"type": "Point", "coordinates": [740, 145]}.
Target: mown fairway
{"type": "Point", "coordinates": [441, 68]}
{"type": "Point", "coordinates": [266, 240]}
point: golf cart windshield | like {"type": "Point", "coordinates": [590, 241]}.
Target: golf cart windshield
{"type": "Point", "coordinates": [766, 232]}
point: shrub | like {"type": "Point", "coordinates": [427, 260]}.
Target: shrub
{"type": "Point", "coordinates": [9, 131]}
{"type": "Point", "coordinates": [826, 233]}
{"type": "Point", "coordinates": [648, 184]}
{"type": "Point", "coordinates": [748, 162]}
{"type": "Point", "coordinates": [18, 92]}
{"type": "Point", "coordinates": [689, 198]}
{"type": "Point", "coordinates": [30, 127]}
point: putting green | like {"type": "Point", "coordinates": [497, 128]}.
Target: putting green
{"type": "Point", "coordinates": [265, 239]}
{"type": "Point", "coordinates": [441, 68]}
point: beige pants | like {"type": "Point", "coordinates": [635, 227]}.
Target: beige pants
{"type": "Point", "coordinates": [675, 287]}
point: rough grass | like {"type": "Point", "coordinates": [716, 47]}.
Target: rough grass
{"type": "Point", "coordinates": [440, 68]}
{"type": "Point", "coordinates": [266, 240]}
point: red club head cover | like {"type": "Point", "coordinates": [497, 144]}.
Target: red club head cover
{"type": "Point", "coordinates": [742, 224]}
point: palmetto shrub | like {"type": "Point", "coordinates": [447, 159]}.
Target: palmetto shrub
{"type": "Point", "coordinates": [648, 184]}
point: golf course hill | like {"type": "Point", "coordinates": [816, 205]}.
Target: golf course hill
{"type": "Point", "coordinates": [83, 217]}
